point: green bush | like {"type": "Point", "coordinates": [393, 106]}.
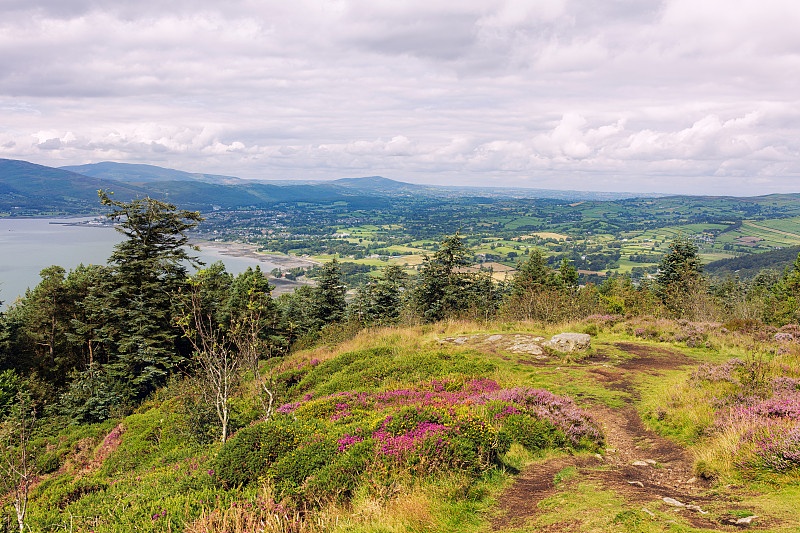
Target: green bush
{"type": "Point", "coordinates": [533, 433]}
{"type": "Point", "coordinates": [338, 480]}
{"type": "Point", "coordinates": [291, 470]}
{"type": "Point", "coordinates": [247, 456]}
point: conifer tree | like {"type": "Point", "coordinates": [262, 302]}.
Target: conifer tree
{"type": "Point", "coordinates": [444, 290]}
{"type": "Point", "coordinates": [147, 269]}
{"type": "Point", "coordinates": [330, 304]}
{"type": "Point", "coordinates": [679, 282]}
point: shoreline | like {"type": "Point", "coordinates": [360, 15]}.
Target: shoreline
{"type": "Point", "coordinates": [250, 251]}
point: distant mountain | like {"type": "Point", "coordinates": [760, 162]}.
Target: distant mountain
{"type": "Point", "coordinates": [146, 173]}
{"type": "Point", "coordinates": [552, 194]}
{"type": "Point", "coordinates": [370, 185]}
{"type": "Point", "coordinates": [28, 188]}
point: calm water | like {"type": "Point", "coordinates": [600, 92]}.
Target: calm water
{"type": "Point", "coordinates": [29, 245]}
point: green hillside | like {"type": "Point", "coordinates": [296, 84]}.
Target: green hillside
{"type": "Point", "coordinates": [28, 189]}
{"type": "Point", "coordinates": [446, 427]}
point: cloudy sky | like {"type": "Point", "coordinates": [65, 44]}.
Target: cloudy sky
{"type": "Point", "coordinates": [679, 96]}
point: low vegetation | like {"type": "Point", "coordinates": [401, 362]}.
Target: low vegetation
{"type": "Point", "coordinates": [137, 398]}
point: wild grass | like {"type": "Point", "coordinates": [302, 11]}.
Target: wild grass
{"type": "Point", "coordinates": [160, 475]}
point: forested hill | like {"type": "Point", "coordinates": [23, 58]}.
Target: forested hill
{"type": "Point", "coordinates": [749, 265]}
{"type": "Point", "coordinates": [28, 189]}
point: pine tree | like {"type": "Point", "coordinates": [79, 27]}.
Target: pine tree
{"type": "Point", "coordinates": [147, 270]}
{"type": "Point", "coordinates": [444, 290]}
{"type": "Point", "coordinates": [680, 283]}
{"type": "Point", "coordinates": [329, 295]}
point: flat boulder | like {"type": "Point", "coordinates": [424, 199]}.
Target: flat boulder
{"type": "Point", "coordinates": [569, 342]}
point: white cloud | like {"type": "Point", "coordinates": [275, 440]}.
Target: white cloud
{"type": "Point", "coordinates": [543, 92]}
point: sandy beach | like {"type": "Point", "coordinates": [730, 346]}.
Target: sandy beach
{"type": "Point", "coordinates": [270, 261]}
{"type": "Point", "coordinates": [235, 249]}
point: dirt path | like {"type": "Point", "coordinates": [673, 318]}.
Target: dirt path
{"type": "Point", "coordinates": [638, 465]}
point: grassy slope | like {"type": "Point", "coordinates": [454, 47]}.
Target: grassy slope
{"type": "Point", "coordinates": [147, 472]}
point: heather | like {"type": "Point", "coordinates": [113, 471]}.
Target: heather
{"type": "Point", "coordinates": [448, 425]}
{"type": "Point", "coordinates": [741, 414]}
{"type": "Point", "coordinates": [390, 419]}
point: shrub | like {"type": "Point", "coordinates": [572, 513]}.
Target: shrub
{"type": "Point", "coordinates": [293, 468]}
{"type": "Point", "coordinates": [770, 448]}
{"type": "Point", "coordinates": [338, 480]}
{"type": "Point", "coordinates": [533, 433]}
{"type": "Point", "coordinates": [247, 456]}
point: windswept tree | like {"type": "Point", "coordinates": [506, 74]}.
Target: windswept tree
{"type": "Point", "coordinates": [147, 267]}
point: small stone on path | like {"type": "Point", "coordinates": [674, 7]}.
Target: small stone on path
{"type": "Point", "coordinates": [672, 501]}
{"type": "Point", "coordinates": [639, 463]}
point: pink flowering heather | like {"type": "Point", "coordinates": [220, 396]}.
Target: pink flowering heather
{"type": "Point", "coordinates": [773, 447]}
{"type": "Point", "coordinates": [783, 383]}
{"type": "Point", "coordinates": [558, 410]}
{"type": "Point", "coordinates": [786, 405]}
{"type": "Point", "coordinates": [433, 394]}
{"type": "Point", "coordinates": [399, 447]}
{"type": "Point", "coordinates": [348, 440]}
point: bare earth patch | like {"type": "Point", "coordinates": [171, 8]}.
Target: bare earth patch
{"type": "Point", "coordinates": [642, 468]}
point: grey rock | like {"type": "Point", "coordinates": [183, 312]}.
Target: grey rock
{"type": "Point", "coordinates": [746, 520]}
{"type": "Point", "coordinates": [526, 347]}
{"type": "Point", "coordinates": [672, 501]}
{"type": "Point", "coordinates": [569, 342]}
{"type": "Point", "coordinates": [639, 463]}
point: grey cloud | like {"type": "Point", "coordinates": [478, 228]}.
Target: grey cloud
{"type": "Point", "coordinates": [526, 92]}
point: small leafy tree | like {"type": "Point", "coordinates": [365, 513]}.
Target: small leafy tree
{"type": "Point", "coordinates": [227, 322]}
{"type": "Point", "coordinates": [17, 464]}
{"type": "Point", "coordinates": [787, 296]}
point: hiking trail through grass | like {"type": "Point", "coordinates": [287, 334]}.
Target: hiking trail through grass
{"type": "Point", "coordinates": [647, 477]}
